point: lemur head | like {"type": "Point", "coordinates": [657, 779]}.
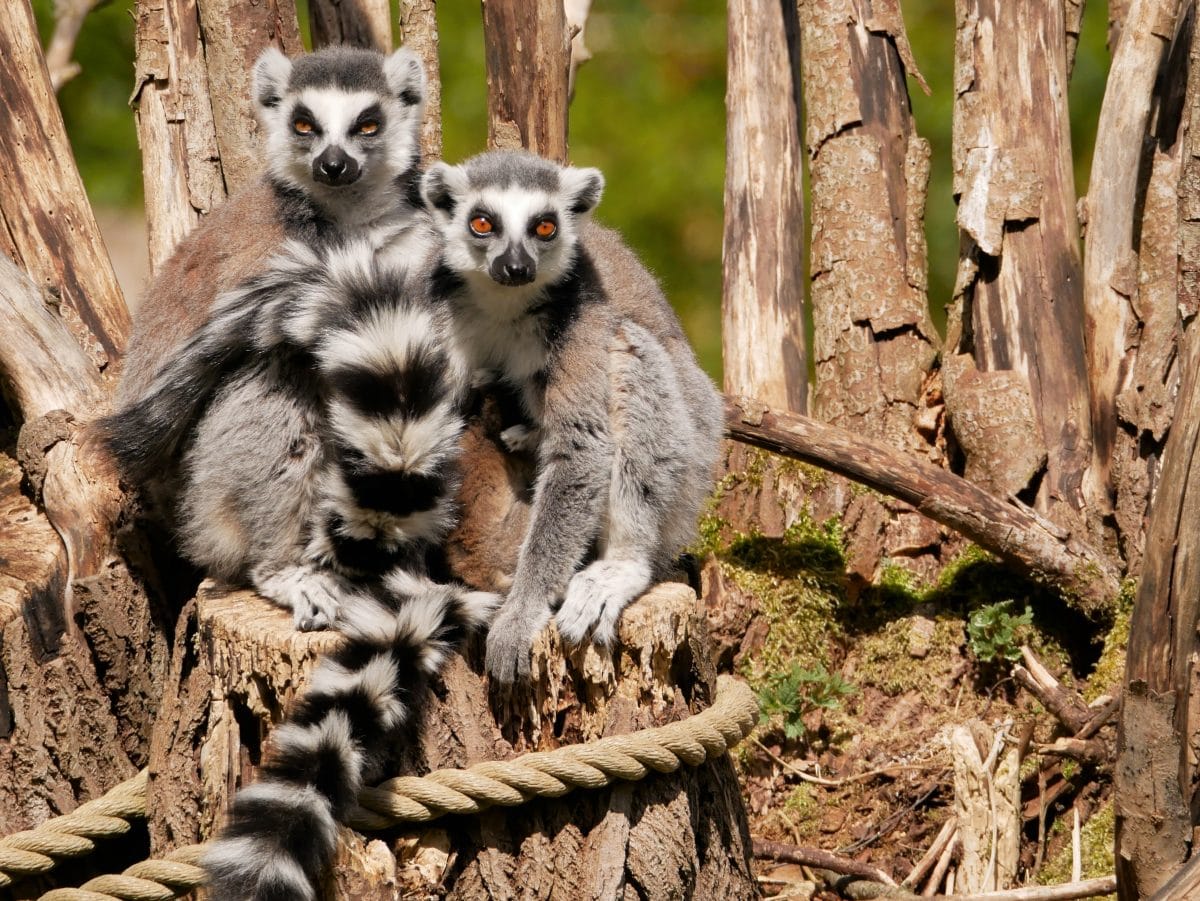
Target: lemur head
{"type": "Point", "coordinates": [511, 217]}
{"type": "Point", "coordinates": [340, 117]}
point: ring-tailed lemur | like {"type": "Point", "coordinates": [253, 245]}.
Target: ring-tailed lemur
{"type": "Point", "coordinates": [341, 129]}
{"type": "Point", "coordinates": [626, 424]}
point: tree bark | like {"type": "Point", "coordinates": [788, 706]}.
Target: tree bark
{"type": "Point", "coordinates": [419, 33]}
{"type": "Point", "coordinates": [1110, 263]}
{"type": "Point", "coordinates": [1010, 530]}
{"type": "Point", "coordinates": [181, 163]}
{"type": "Point", "coordinates": [1145, 407]}
{"type": "Point", "coordinates": [528, 48]}
{"type": "Point", "coordinates": [359, 23]}
{"type": "Point", "coordinates": [1015, 369]}
{"type": "Point", "coordinates": [239, 662]}
{"type": "Point", "coordinates": [762, 305]}
{"type": "Point", "coordinates": [1156, 773]}
{"type": "Point", "coordinates": [46, 224]}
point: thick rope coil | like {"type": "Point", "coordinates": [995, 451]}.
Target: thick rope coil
{"type": "Point", "coordinates": [37, 851]}
{"type": "Point", "coordinates": [419, 799]}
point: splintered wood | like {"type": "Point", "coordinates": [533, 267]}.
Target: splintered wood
{"type": "Point", "coordinates": [987, 804]}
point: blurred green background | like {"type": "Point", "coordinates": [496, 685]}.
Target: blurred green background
{"type": "Point", "coordinates": [648, 110]}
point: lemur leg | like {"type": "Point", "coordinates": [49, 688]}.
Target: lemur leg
{"type": "Point", "coordinates": [313, 594]}
{"type": "Point", "coordinates": [649, 466]}
{"type": "Point", "coordinates": [568, 499]}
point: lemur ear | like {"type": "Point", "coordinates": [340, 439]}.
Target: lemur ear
{"type": "Point", "coordinates": [440, 186]}
{"type": "Point", "coordinates": [270, 78]}
{"type": "Point", "coordinates": [405, 76]}
{"type": "Point", "coordinates": [583, 186]}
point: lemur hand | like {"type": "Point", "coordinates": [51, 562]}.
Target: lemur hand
{"type": "Point", "coordinates": [510, 639]}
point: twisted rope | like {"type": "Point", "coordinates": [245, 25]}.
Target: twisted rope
{"type": "Point", "coordinates": [419, 799]}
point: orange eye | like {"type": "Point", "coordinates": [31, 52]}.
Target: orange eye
{"type": "Point", "coordinates": [302, 127]}
{"type": "Point", "coordinates": [369, 127]}
{"type": "Point", "coordinates": [481, 225]}
{"type": "Point", "coordinates": [547, 228]}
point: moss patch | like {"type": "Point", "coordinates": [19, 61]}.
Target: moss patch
{"type": "Point", "coordinates": [1097, 836]}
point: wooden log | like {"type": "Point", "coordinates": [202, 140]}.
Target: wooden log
{"type": "Point", "coordinates": [238, 663]}
{"type": "Point", "coordinates": [1011, 530]}
{"type": "Point", "coordinates": [181, 163]}
{"type": "Point", "coordinates": [419, 33]}
{"type": "Point", "coordinates": [762, 305]}
{"type": "Point", "coordinates": [528, 50]}
{"type": "Point", "coordinates": [358, 23]}
{"type": "Point", "coordinates": [1110, 262]}
{"type": "Point", "coordinates": [46, 224]}
{"type": "Point", "coordinates": [1156, 772]}
{"type": "Point", "coordinates": [1015, 370]}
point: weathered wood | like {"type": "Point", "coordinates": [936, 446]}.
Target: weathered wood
{"type": "Point", "coordinates": [1110, 263]}
{"type": "Point", "coordinates": [68, 20]}
{"type": "Point", "coordinates": [358, 23]}
{"type": "Point", "coordinates": [987, 805]}
{"type": "Point", "coordinates": [235, 33]}
{"type": "Point", "coordinates": [1146, 405]}
{"type": "Point", "coordinates": [815, 857]}
{"type": "Point", "coordinates": [1011, 530]}
{"type": "Point", "coordinates": [46, 224]}
{"type": "Point", "coordinates": [419, 33]}
{"type": "Point", "coordinates": [577, 16]}
{"type": "Point", "coordinates": [1184, 885]}
{"type": "Point", "coordinates": [762, 306]}
{"type": "Point", "coordinates": [1015, 369]}
{"type": "Point", "coordinates": [181, 164]}
{"type": "Point", "coordinates": [239, 662]}
{"type": "Point", "coordinates": [528, 50]}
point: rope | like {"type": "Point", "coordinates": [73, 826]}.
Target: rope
{"type": "Point", "coordinates": [408, 799]}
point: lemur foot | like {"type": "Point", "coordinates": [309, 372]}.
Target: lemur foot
{"type": "Point", "coordinates": [596, 596]}
{"type": "Point", "coordinates": [510, 640]}
{"type": "Point", "coordinates": [314, 596]}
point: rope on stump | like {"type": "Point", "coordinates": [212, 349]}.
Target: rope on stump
{"type": "Point", "coordinates": [412, 799]}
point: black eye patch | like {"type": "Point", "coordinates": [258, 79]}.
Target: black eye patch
{"type": "Point", "coordinates": [370, 121]}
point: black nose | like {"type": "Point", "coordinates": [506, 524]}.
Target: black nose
{"type": "Point", "coordinates": [517, 273]}
{"type": "Point", "coordinates": [335, 167]}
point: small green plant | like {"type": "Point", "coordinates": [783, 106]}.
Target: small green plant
{"type": "Point", "coordinates": [798, 691]}
{"type": "Point", "coordinates": [995, 634]}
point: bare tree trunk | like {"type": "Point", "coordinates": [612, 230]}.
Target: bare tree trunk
{"type": "Point", "coordinates": [419, 33]}
{"type": "Point", "coordinates": [873, 341]}
{"type": "Point", "coordinates": [1156, 773]}
{"type": "Point", "coordinates": [1145, 407]}
{"type": "Point", "coordinates": [762, 306]}
{"type": "Point", "coordinates": [1110, 255]}
{"type": "Point", "coordinates": [359, 23]}
{"type": "Point", "coordinates": [1015, 369]}
{"type": "Point", "coordinates": [181, 164]}
{"type": "Point", "coordinates": [528, 50]}
{"type": "Point", "coordinates": [238, 663]}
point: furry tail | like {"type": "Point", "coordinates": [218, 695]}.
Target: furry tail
{"type": "Point", "coordinates": [282, 833]}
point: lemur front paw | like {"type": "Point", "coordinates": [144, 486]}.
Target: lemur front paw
{"type": "Point", "coordinates": [510, 641]}
{"type": "Point", "coordinates": [595, 598]}
{"type": "Point", "coordinates": [314, 596]}
{"type": "Point", "coordinates": [520, 439]}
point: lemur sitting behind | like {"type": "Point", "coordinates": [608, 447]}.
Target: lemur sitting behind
{"type": "Point", "coordinates": [340, 128]}
{"type": "Point", "coordinates": [626, 425]}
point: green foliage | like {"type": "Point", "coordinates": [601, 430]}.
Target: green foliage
{"type": "Point", "coordinates": [798, 691]}
{"type": "Point", "coordinates": [994, 634]}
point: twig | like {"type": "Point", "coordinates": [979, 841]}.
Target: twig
{"type": "Point", "coordinates": [1068, 891]}
{"type": "Point", "coordinates": [68, 20]}
{"type": "Point", "coordinates": [1068, 707]}
{"type": "Point", "coordinates": [814, 857]}
{"type": "Point", "coordinates": [889, 823]}
{"type": "Point", "coordinates": [832, 783]}
{"type": "Point", "coordinates": [943, 864]}
{"type": "Point", "coordinates": [1076, 847]}
{"type": "Point", "coordinates": [1085, 751]}
{"type": "Point", "coordinates": [925, 864]}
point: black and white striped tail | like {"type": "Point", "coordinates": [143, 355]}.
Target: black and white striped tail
{"type": "Point", "coordinates": [282, 832]}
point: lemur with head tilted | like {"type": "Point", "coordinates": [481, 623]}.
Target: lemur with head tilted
{"type": "Point", "coordinates": [625, 424]}
{"type": "Point", "coordinates": [341, 132]}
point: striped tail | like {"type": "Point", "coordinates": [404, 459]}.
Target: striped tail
{"type": "Point", "coordinates": [282, 834]}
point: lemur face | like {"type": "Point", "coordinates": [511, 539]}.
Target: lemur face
{"type": "Point", "coordinates": [511, 218]}
{"type": "Point", "coordinates": [340, 116]}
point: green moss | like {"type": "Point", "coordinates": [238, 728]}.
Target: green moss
{"type": "Point", "coordinates": [885, 661]}
{"type": "Point", "coordinates": [801, 804]}
{"type": "Point", "coordinates": [1109, 671]}
{"type": "Point", "coordinates": [1096, 849]}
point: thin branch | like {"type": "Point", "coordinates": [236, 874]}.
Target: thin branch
{"type": "Point", "coordinates": [68, 20]}
{"type": "Point", "coordinates": [931, 857]}
{"type": "Point", "coordinates": [814, 857]}
{"type": "Point", "coordinates": [1067, 891]}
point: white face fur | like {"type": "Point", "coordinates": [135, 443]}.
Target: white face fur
{"type": "Point", "coordinates": [510, 222]}
{"type": "Point", "coordinates": [340, 145]}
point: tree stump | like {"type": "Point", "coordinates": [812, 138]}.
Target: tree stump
{"type": "Point", "coordinates": [239, 663]}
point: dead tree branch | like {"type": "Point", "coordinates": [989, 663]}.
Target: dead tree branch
{"type": "Point", "coordinates": [68, 20]}
{"type": "Point", "coordinates": [1009, 530]}
{"type": "Point", "coordinates": [814, 857]}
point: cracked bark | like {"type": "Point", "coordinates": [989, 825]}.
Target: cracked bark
{"type": "Point", "coordinates": [419, 33]}
{"type": "Point", "coordinates": [359, 23]}
{"type": "Point", "coordinates": [1015, 368]}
